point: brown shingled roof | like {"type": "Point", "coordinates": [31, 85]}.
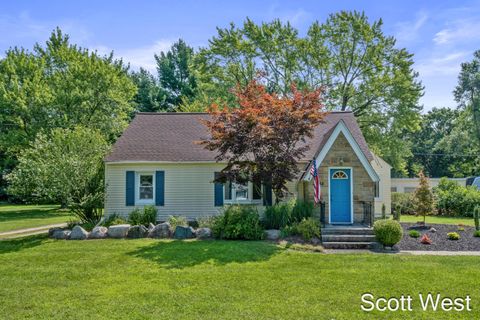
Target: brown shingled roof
{"type": "Point", "coordinates": [172, 137]}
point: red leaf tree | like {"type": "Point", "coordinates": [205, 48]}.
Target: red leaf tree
{"type": "Point", "coordinates": [261, 136]}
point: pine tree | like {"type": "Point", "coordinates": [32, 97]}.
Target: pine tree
{"type": "Point", "coordinates": [423, 197]}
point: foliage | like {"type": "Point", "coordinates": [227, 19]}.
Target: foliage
{"type": "Point", "coordinates": [453, 236]}
{"type": "Point", "coordinates": [423, 197]}
{"type": "Point", "coordinates": [143, 217]}
{"type": "Point", "coordinates": [476, 217]}
{"type": "Point", "coordinates": [175, 221]}
{"type": "Point", "coordinates": [476, 233]}
{"type": "Point", "coordinates": [414, 233]}
{"type": "Point", "coordinates": [308, 228]}
{"type": "Point", "coordinates": [260, 138]}
{"type": "Point", "coordinates": [238, 223]}
{"type": "Point", "coordinates": [88, 226]}
{"type": "Point", "coordinates": [360, 67]}
{"type": "Point", "coordinates": [397, 213]}
{"type": "Point", "coordinates": [65, 167]}
{"type": "Point", "coordinates": [388, 232]}
{"type": "Point", "coordinates": [384, 212]}
{"type": "Point", "coordinates": [278, 215]}
{"type": "Point", "coordinates": [206, 222]}
{"type": "Point", "coordinates": [426, 239]}
{"type": "Point", "coordinates": [113, 220]}
{"type": "Point", "coordinates": [150, 96]}
{"type": "Point", "coordinates": [403, 203]}
{"type": "Point", "coordinates": [301, 210]}
{"type": "Point", "coordinates": [456, 200]}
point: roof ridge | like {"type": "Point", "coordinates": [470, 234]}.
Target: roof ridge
{"type": "Point", "coordinates": [190, 113]}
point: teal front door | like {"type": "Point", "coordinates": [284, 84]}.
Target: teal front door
{"type": "Point", "coordinates": [340, 196]}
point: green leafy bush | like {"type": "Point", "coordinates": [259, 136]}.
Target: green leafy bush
{"type": "Point", "coordinates": [414, 233]}
{"type": "Point", "coordinates": [476, 217]}
{"type": "Point", "coordinates": [456, 200]}
{"type": "Point", "coordinates": [397, 213]}
{"type": "Point", "coordinates": [138, 217]}
{"type": "Point", "coordinates": [301, 210]}
{"type": "Point", "coordinates": [308, 228]}
{"type": "Point", "coordinates": [388, 232]}
{"type": "Point", "coordinates": [476, 233]}
{"type": "Point", "coordinates": [403, 202]}
{"type": "Point", "coordinates": [453, 236]}
{"type": "Point", "coordinates": [277, 216]}
{"type": "Point", "coordinates": [113, 220]}
{"type": "Point", "coordinates": [238, 223]}
{"type": "Point", "coordinates": [205, 222]}
{"type": "Point", "coordinates": [88, 226]}
{"type": "Point", "coordinates": [177, 221]}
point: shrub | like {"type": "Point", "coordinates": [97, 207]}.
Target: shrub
{"type": "Point", "coordinates": [85, 225]}
{"type": "Point", "coordinates": [277, 216]}
{"type": "Point", "coordinates": [112, 220]}
{"type": "Point", "coordinates": [461, 229]}
{"type": "Point", "coordinates": [301, 210]}
{"type": "Point", "coordinates": [205, 222]}
{"type": "Point", "coordinates": [177, 221]}
{"type": "Point", "coordinates": [423, 197]}
{"type": "Point", "coordinates": [403, 203]}
{"type": "Point", "coordinates": [238, 222]}
{"type": "Point", "coordinates": [476, 217]}
{"type": "Point", "coordinates": [425, 239]}
{"type": "Point", "coordinates": [289, 230]}
{"type": "Point", "coordinates": [414, 233]}
{"type": "Point", "coordinates": [388, 232]}
{"type": "Point", "coordinates": [453, 236]}
{"type": "Point", "coordinates": [308, 229]}
{"type": "Point", "coordinates": [384, 211]}
{"type": "Point", "coordinates": [138, 217]}
{"type": "Point", "coordinates": [476, 233]}
{"type": "Point", "coordinates": [397, 213]}
{"type": "Point", "coordinates": [456, 200]}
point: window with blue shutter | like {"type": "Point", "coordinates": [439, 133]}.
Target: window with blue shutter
{"type": "Point", "coordinates": [130, 188]}
{"type": "Point", "coordinates": [218, 189]}
{"type": "Point", "coordinates": [159, 188]}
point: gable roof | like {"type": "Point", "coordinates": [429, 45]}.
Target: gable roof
{"type": "Point", "coordinates": [173, 137]}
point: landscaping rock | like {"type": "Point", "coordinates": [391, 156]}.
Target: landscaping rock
{"type": "Point", "coordinates": [98, 233]}
{"type": "Point", "coordinates": [51, 231]}
{"type": "Point", "coordinates": [432, 229]}
{"type": "Point", "coordinates": [182, 232]}
{"type": "Point", "coordinates": [272, 234]}
{"type": "Point", "coordinates": [203, 233]}
{"type": "Point", "coordinates": [315, 241]}
{"type": "Point", "coordinates": [61, 234]}
{"type": "Point", "coordinates": [150, 227]}
{"type": "Point", "coordinates": [118, 231]}
{"type": "Point", "coordinates": [78, 233]}
{"type": "Point", "coordinates": [160, 231]}
{"type": "Point", "coordinates": [136, 232]}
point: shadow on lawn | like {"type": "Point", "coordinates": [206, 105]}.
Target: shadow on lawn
{"type": "Point", "coordinates": [14, 245]}
{"type": "Point", "coordinates": [31, 213]}
{"type": "Point", "coordinates": [182, 254]}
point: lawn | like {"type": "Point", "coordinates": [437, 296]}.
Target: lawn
{"type": "Point", "coordinates": [438, 220]}
{"type": "Point", "coordinates": [153, 279]}
{"type": "Point", "coordinates": [13, 217]}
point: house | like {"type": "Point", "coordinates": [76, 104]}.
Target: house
{"type": "Point", "coordinates": [408, 185]}
{"type": "Point", "coordinates": [158, 161]}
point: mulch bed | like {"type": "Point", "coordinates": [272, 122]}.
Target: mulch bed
{"type": "Point", "coordinates": [440, 242]}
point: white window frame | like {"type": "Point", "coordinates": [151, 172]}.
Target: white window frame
{"type": "Point", "coordinates": [242, 201]}
{"type": "Point", "coordinates": [137, 188]}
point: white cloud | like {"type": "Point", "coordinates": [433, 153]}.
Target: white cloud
{"type": "Point", "coordinates": [448, 64]}
{"type": "Point", "coordinates": [408, 31]}
{"type": "Point", "coordinates": [296, 17]}
{"type": "Point", "coordinates": [460, 31]}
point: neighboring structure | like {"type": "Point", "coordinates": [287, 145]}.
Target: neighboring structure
{"type": "Point", "coordinates": [158, 161]}
{"type": "Point", "coordinates": [384, 195]}
{"type": "Point", "coordinates": [408, 185]}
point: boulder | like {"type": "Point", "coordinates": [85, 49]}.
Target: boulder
{"type": "Point", "coordinates": [61, 234]}
{"type": "Point", "coordinates": [51, 231]}
{"type": "Point", "coordinates": [182, 232]}
{"type": "Point", "coordinates": [98, 233]}
{"type": "Point", "coordinates": [272, 234]}
{"type": "Point", "coordinates": [150, 227]}
{"type": "Point", "coordinates": [315, 241]}
{"type": "Point", "coordinates": [433, 230]}
{"type": "Point", "coordinates": [78, 233]}
{"type": "Point", "coordinates": [137, 232]}
{"type": "Point", "coordinates": [118, 231]}
{"type": "Point", "coordinates": [160, 231]}
{"type": "Point", "coordinates": [203, 233]}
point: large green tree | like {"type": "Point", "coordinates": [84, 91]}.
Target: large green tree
{"type": "Point", "coordinates": [150, 97]}
{"type": "Point", "coordinates": [360, 68]}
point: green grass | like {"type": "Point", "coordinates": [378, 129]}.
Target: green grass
{"type": "Point", "coordinates": [438, 220]}
{"type": "Point", "coordinates": [152, 279]}
{"type": "Point", "coordinates": [13, 217]}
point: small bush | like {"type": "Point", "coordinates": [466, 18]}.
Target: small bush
{"type": "Point", "coordinates": [403, 202]}
{"type": "Point", "coordinates": [397, 213]}
{"type": "Point", "coordinates": [476, 233]}
{"type": "Point", "coordinates": [384, 211]}
{"type": "Point", "coordinates": [308, 229]}
{"type": "Point", "coordinates": [476, 217]}
{"type": "Point", "coordinates": [112, 220]}
{"type": "Point", "coordinates": [238, 223]}
{"type": "Point", "coordinates": [453, 236]}
{"type": "Point", "coordinates": [426, 239]}
{"type": "Point", "coordinates": [289, 230]}
{"type": "Point", "coordinates": [205, 222]}
{"type": "Point", "coordinates": [461, 229]}
{"type": "Point", "coordinates": [301, 210]}
{"type": "Point", "coordinates": [177, 221]}
{"type": "Point", "coordinates": [388, 232]}
{"type": "Point", "coordinates": [456, 200]}
{"type": "Point", "coordinates": [88, 226]}
{"type": "Point", "coordinates": [138, 217]}
{"type": "Point", "coordinates": [135, 216]}
{"type": "Point", "coordinates": [414, 234]}
{"type": "Point", "coordinates": [277, 216]}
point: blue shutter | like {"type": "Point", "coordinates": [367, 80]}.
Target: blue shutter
{"type": "Point", "coordinates": [268, 194]}
{"type": "Point", "coordinates": [130, 189]}
{"type": "Point", "coordinates": [218, 191]}
{"type": "Point", "coordinates": [159, 188]}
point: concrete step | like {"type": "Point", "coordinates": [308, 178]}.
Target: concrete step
{"type": "Point", "coordinates": [348, 245]}
{"type": "Point", "coordinates": [348, 231]}
{"type": "Point", "coordinates": [348, 238]}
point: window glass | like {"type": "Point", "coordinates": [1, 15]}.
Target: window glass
{"type": "Point", "coordinates": [228, 191]}
{"type": "Point", "coordinates": [339, 175]}
{"type": "Point", "coordinates": [146, 187]}
{"type": "Point", "coordinates": [393, 189]}
{"type": "Point", "coordinates": [241, 191]}
{"type": "Point", "coordinates": [409, 189]}
{"type": "Point", "coordinates": [257, 191]}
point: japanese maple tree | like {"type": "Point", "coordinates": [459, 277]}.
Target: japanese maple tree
{"type": "Point", "coordinates": [261, 137]}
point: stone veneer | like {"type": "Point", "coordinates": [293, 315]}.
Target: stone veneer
{"type": "Point", "coordinates": [341, 154]}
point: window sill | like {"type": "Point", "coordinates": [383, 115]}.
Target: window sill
{"type": "Point", "coordinates": [144, 202]}
{"type": "Point", "coordinates": [243, 202]}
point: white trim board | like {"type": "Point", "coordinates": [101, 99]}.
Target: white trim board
{"type": "Point", "coordinates": [341, 127]}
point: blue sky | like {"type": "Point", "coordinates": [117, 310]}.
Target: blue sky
{"type": "Point", "coordinates": [440, 34]}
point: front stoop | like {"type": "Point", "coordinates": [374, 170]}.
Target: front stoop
{"type": "Point", "coordinates": [348, 237]}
